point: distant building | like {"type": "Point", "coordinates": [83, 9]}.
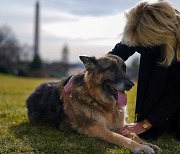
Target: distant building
{"type": "Point", "coordinates": [65, 55]}
{"type": "Point", "coordinates": [55, 69]}
{"type": "Point", "coordinates": [75, 68]}
{"type": "Point", "coordinates": [59, 68]}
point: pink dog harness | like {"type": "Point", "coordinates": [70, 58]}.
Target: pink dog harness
{"type": "Point", "coordinates": [66, 91]}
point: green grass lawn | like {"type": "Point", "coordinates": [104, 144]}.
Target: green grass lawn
{"type": "Point", "coordinates": [17, 135]}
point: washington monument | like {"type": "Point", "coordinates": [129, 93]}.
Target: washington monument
{"type": "Point", "coordinates": [36, 32]}
{"type": "Point", "coordinates": [36, 64]}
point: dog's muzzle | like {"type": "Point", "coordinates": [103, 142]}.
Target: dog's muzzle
{"type": "Point", "coordinates": [116, 90]}
{"type": "Point", "coordinates": [128, 84]}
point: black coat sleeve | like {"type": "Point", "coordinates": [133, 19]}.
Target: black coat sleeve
{"type": "Point", "coordinates": [123, 51]}
{"type": "Point", "coordinates": [169, 103]}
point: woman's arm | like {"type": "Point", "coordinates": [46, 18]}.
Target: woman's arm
{"type": "Point", "coordinates": [123, 51]}
{"type": "Point", "coordinates": [137, 128]}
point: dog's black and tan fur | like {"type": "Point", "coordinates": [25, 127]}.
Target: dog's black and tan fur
{"type": "Point", "coordinates": [91, 106]}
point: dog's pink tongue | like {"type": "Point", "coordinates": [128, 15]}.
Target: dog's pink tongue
{"type": "Point", "coordinates": [122, 99]}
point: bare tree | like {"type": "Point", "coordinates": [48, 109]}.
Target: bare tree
{"type": "Point", "coordinates": [9, 48]}
{"type": "Point", "coordinates": [26, 53]}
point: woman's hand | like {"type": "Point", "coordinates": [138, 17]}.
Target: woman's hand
{"type": "Point", "coordinates": [137, 128]}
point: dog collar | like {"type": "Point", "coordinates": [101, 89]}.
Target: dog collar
{"type": "Point", "coordinates": [66, 91]}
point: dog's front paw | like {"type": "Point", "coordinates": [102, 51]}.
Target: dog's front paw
{"type": "Point", "coordinates": [155, 147]}
{"type": "Point", "coordinates": [144, 149]}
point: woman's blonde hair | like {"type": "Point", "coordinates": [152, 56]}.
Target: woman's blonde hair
{"type": "Point", "coordinates": [154, 23]}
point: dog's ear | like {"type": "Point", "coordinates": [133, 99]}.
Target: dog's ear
{"type": "Point", "coordinates": [89, 62]}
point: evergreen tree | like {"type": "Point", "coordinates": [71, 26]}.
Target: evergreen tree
{"type": "Point", "coordinates": [36, 63]}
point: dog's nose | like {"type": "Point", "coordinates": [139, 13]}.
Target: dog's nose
{"type": "Point", "coordinates": [128, 84]}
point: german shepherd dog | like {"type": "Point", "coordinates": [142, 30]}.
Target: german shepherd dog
{"type": "Point", "coordinates": [91, 102]}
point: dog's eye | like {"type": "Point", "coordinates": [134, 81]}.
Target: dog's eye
{"type": "Point", "coordinates": [111, 68]}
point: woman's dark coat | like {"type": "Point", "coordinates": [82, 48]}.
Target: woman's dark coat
{"type": "Point", "coordinates": [158, 91]}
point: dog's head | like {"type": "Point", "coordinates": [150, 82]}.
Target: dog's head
{"type": "Point", "coordinates": [106, 77]}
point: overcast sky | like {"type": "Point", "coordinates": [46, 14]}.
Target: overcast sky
{"type": "Point", "coordinates": [88, 27]}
